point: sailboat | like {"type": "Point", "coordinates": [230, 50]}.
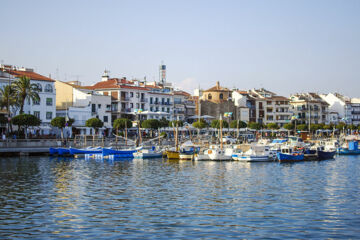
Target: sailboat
{"type": "Point", "coordinates": [174, 153]}
{"type": "Point", "coordinates": [216, 153]}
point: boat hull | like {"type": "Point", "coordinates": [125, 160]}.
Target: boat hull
{"type": "Point", "coordinates": [290, 157]}
{"type": "Point", "coordinates": [74, 151]}
{"type": "Point", "coordinates": [147, 155]}
{"type": "Point", "coordinates": [323, 155]}
{"type": "Point", "coordinates": [173, 154]}
{"type": "Point", "coordinates": [251, 158]}
{"type": "Point", "coordinates": [125, 153]}
{"type": "Point", "coordinates": [344, 151]}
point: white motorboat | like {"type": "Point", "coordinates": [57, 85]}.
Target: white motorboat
{"type": "Point", "coordinates": [256, 153]}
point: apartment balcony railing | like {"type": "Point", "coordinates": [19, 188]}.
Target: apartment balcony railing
{"type": "Point", "coordinates": [355, 112]}
{"type": "Point", "coordinates": [126, 99]}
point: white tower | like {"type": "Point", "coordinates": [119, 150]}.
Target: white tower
{"type": "Point", "coordinates": [162, 74]}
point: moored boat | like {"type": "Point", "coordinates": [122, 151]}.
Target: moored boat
{"type": "Point", "coordinates": [288, 154]}
{"type": "Point", "coordinates": [124, 152]}
{"type": "Point", "coordinates": [324, 153]}
{"type": "Point", "coordinates": [256, 153]}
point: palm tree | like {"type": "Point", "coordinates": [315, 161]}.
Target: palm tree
{"type": "Point", "coordinates": [6, 98]}
{"type": "Point", "coordinates": [24, 89]}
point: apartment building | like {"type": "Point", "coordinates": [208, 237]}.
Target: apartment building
{"type": "Point", "coordinates": [310, 107]}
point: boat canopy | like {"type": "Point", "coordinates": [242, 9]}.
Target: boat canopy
{"type": "Point", "coordinates": [279, 141]}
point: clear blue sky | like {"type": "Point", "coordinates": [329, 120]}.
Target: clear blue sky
{"type": "Point", "coordinates": [284, 46]}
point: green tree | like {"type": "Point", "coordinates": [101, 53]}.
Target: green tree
{"type": "Point", "coordinates": [94, 123]}
{"type": "Point", "coordinates": [164, 122]}
{"type": "Point", "coordinates": [272, 126]}
{"type": "Point", "coordinates": [200, 125]}
{"type": "Point", "coordinates": [341, 126]}
{"type": "Point", "coordinates": [121, 123]}
{"type": "Point", "coordinates": [352, 127]}
{"type": "Point", "coordinates": [23, 121]}
{"type": "Point", "coordinates": [216, 124]}
{"type": "Point", "coordinates": [173, 123]}
{"type": "Point", "coordinates": [7, 98]}
{"type": "Point", "coordinates": [60, 122]}
{"type": "Point", "coordinates": [289, 126]}
{"type": "Point", "coordinates": [25, 90]}
{"type": "Point", "coordinates": [302, 127]}
{"type": "Point", "coordinates": [254, 125]}
{"type": "Point", "coordinates": [234, 124]}
{"type": "Point", "coordinates": [151, 124]}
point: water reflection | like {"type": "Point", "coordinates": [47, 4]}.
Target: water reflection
{"type": "Point", "coordinates": [97, 198]}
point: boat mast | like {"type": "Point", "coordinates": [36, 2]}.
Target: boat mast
{"type": "Point", "coordinates": [221, 142]}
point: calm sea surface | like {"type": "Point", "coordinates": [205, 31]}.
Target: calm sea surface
{"type": "Point", "coordinates": [42, 197]}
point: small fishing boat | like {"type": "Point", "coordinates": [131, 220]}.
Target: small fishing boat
{"type": "Point", "coordinates": [324, 153]}
{"type": "Point", "coordinates": [256, 153]}
{"type": "Point", "coordinates": [288, 154]}
{"type": "Point", "coordinates": [124, 152]}
{"type": "Point", "coordinates": [148, 153]}
{"type": "Point", "coordinates": [310, 153]}
{"type": "Point", "coordinates": [81, 151]}
{"type": "Point", "coordinates": [351, 148]}
{"type": "Point", "coordinates": [59, 151]}
{"type": "Point", "coordinates": [188, 151]}
{"type": "Point", "coordinates": [53, 151]}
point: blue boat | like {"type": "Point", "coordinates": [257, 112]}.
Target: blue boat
{"type": "Point", "coordinates": [77, 151]}
{"type": "Point", "coordinates": [119, 153]}
{"type": "Point", "coordinates": [352, 149]}
{"type": "Point", "coordinates": [53, 151]}
{"type": "Point", "coordinates": [287, 154]}
{"type": "Point", "coordinates": [63, 151]}
{"type": "Point", "coordinates": [325, 154]}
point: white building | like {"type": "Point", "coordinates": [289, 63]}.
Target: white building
{"type": "Point", "coordinates": [310, 107]}
{"type": "Point", "coordinates": [82, 103]}
{"type": "Point", "coordinates": [45, 108]}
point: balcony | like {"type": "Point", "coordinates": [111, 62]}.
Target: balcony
{"type": "Point", "coordinates": [126, 110]}
{"type": "Point", "coordinates": [143, 100]}
{"type": "Point", "coordinates": [125, 99]}
{"type": "Point", "coordinates": [355, 112]}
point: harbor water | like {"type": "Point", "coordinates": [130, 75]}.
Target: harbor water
{"type": "Point", "coordinates": [43, 197]}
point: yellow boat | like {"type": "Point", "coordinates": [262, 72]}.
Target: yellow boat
{"type": "Point", "coordinates": [172, 154]}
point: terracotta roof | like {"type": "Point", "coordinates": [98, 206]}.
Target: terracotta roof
{"type": "Point", "coordinates": [242, 92]}
{"type": "Point", "coordinates": [181, 93]}
{"type": "Point", "coordinates": [113, 83]}
{"type": "Point", "coordinates": [31, 75]}
{"type": "Point", "coordinates": [217, 88]}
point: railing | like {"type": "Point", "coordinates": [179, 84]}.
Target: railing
{"type": "Point", "coordinates": [125, 99]}
{"type": "Point", "coordinates": [144, 100]}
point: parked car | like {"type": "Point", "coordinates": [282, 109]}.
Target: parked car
{"type": "Point", "coordinates": [228, 140]}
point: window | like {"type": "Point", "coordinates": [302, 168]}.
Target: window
{"type": "Point", "coordinates": [131, 94]}
{"type": "Point", "coordinates": [106, 119]}
{"type": "Point", "coordinates": [131, 105]}
{"type": "Point", "coordinates": [99, 106]}
{"type": "Point", "coordinates": [93, 108]}
{"type": "Point", "coordinates": [151, 100]}
{"type": "Point", "coordinates": [151, 109]}
{"type": "Point", "coordinates": [37, 114]}
{"type": "Point", "coordinates": [163, 109]}
{"type": "Point", "coordinates": [36, 102]}
{"type": "Point", "coordinates": [49, 102]}
{"type": "Point", "coordinates": [137, 105]}
{"type": "Point", "coordinates": [108, 107]}
{"type": "Point", "coordinates": [48, 115]}
{"type": "Point", "coordinates": [39, 87]}
{"type": "Point", "coordinates": [221, 96]}
{"type": "Point", "coordinates": [48, 88]}
{"type": "Point", "coordinates": [137, 95]}
{"type": "Point", "coordinates": [209, 96]}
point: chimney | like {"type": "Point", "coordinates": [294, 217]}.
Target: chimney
{"type": "Point", "coordinates": [217, 85]}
